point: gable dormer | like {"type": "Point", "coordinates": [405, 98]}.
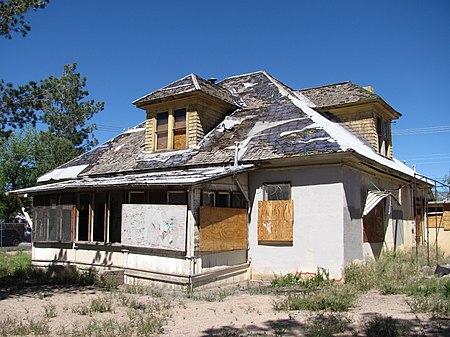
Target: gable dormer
{"type": "Point", "coordinates": [180, 114]}
{"type": "Point", "coordinates": [360, 109]}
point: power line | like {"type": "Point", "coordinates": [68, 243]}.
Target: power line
{"type": "Point", "coordinates": [422, 131]}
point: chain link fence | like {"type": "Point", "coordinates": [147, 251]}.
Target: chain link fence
{"type": "Point", "coordinates": [13, 233]}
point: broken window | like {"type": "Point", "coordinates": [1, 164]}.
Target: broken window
{"type": "Point", "coordinates": [383, 136]}
{"type": "Point", "coordinates": [223, 199]}
{"type": "Point", "coordinates": [157, 197]}
{"type": "Point", "coordinates": [116, 199]}
{"type": "Point", "coordinates": [177, 198]}
{"type": "Point", "coordinates": [136, 197]}
{"type": "Point", "coordinates": [281, 191]}
{"type": "Point", "coordinates": [373, 225]}
{"type": "Point", "coordinates": [208, 199]}
{"type": "Point", "coordinates": [100, 212]}
{"type": "Point", "coordinates": [84, 212]}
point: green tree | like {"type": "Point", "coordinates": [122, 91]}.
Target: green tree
{"type": "Point", "coordinates": [12, 17]}
{"type": "Point", "coordinates": [18, 106]}
{"type": "Point", "coordinates": [17, 168]}
{"type": "Point", "coordinates": [65, 110]}
{"type": "Point", "coordinates": [61, 104]}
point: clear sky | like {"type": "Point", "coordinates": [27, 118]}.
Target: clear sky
{"type": "Point", "coordinates": [127, 49]}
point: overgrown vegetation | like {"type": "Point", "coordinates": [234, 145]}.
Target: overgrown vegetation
{"type": "Point", "coordinates": [326, 325]}
{"type": "Point", "coordinates": [314, 293]}
{"type": "Point", "coordinates": [335, 298]}
{"type": "Point", "coordinates": [398, 273]}
{"type": "Point", "coordinates": [17, 272]}
{"type": "Point", "coordinates": [386, 327]}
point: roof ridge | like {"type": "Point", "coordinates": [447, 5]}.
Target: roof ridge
{"type": "Point", "coordinates": [325, 85]}
{"type": "Point", "coordinates": [194, 80]}
{"type": "Point", "coordinates": [152, 92]}
{"type": "Point", "coordinates": [241, 75]}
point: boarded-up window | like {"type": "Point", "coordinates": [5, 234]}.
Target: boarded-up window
{"type": "Point", "coordinates": [162, 130]}
{"type": "Point", "coordinates": [53, 223]}
{"type": "Point", "coordinates": [373, 225]}
{"type": "Point", "coordinates": [179, 129]}
{"type": "Point", "coordinates": [154, 226]}
{"type": "Point", "coordinates": [222, 229]}
{"type": "Point", "coordinates": [275, 221]}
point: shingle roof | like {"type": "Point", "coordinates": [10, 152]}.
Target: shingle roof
{"type": "Point", "coordinates": [338, 94]}
{"type": "Point", "coordinates": [344, 93]}
{"type": "Point", "coordinates": [274, 122]}
{"type": "Point", "coordinates": [185, 85]}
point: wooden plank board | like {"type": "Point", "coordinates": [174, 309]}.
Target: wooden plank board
{"type": "Point", "coordinates": [276, 220]}
{"type": "Point", "coordinates": [435, 221]}
{"type": "Point", "coordinates": [446, 220]}
{"type": "Point", "coordinates": [223, 229]}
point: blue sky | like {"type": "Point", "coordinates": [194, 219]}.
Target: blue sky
{"type": "Point", "coordinates": [129, 48]}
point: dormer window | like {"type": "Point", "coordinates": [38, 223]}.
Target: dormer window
{"type": "Point", "coordinates": [179, 129]}
{"type": "Point", "coordinates": [180, 114]}
{"type": "Point", "coordinates": [383, 136]}
{"type": "Point", "coordinates": [162, 130]}
{"type": "Point", "coordinates": [170, 130]}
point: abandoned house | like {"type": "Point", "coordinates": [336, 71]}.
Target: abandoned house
{"type": "Point", "coordinates": [235, 180]}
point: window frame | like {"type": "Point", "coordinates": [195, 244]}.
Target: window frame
{"type": "Point", "coordinates": [174, 131]}
{"type": "Point", "coordinates": [266, 185]}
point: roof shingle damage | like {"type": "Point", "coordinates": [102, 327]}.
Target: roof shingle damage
{"type": "Point", "coordinates": [272, 122]}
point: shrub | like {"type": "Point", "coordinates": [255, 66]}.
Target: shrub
{"type": "Point", "coordinates": [326, 325]}
{"type": "Point", "coordinates": [331, 298]}
{"type": "Point", "coordinates": [298, 279]}
{"type": "Point", "coordinates": [386, 327]}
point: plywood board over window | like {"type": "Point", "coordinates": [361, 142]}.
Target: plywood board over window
{"type": "Point", "coordinates": [276, 221]}
{"type": "Point", "coordinates": [222, 229]}
{"type": "Point", "coordinates": [154, 226]}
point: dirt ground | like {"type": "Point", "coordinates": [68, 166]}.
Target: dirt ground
{"type": "Point", "coordinates": [240, 314]}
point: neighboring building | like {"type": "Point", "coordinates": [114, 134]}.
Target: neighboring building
{"type": "Point", "coordinates": [242, 179]}
{"type": "Point", "coordinates": [438, 224]}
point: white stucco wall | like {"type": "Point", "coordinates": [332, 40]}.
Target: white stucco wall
{"type": "Point", "coordinates": [398, 222]}
{"type": "Point", "coordinates": [318, 219]}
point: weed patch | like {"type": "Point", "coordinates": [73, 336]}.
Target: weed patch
{"type": "Point", "coordinates": [386, 327]}
{"type": "Point", "coordinates": [326, 325]}
{"type": "Point", "coordinates": [335, 298]}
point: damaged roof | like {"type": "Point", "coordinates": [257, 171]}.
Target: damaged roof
{"type": "Point", "coordinates": [183, 86]}
{"type": "Point", "coordinates": [340, 94]}
{"type": "Point", "coordinates": [273, 122]}
{"type": "Point", "coordinates": [185, 177]}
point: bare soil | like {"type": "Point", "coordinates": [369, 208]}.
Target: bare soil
{"type": "Point", "coordinates": [241, 314]}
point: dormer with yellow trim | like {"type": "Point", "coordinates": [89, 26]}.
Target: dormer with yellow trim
{"type": "Point", "coordinates": [180, 114]}
{"type": "Point", "coordinates": [360, 109]}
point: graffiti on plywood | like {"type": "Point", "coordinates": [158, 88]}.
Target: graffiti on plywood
{"type": "Point", "coordinates": [154, 226]}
